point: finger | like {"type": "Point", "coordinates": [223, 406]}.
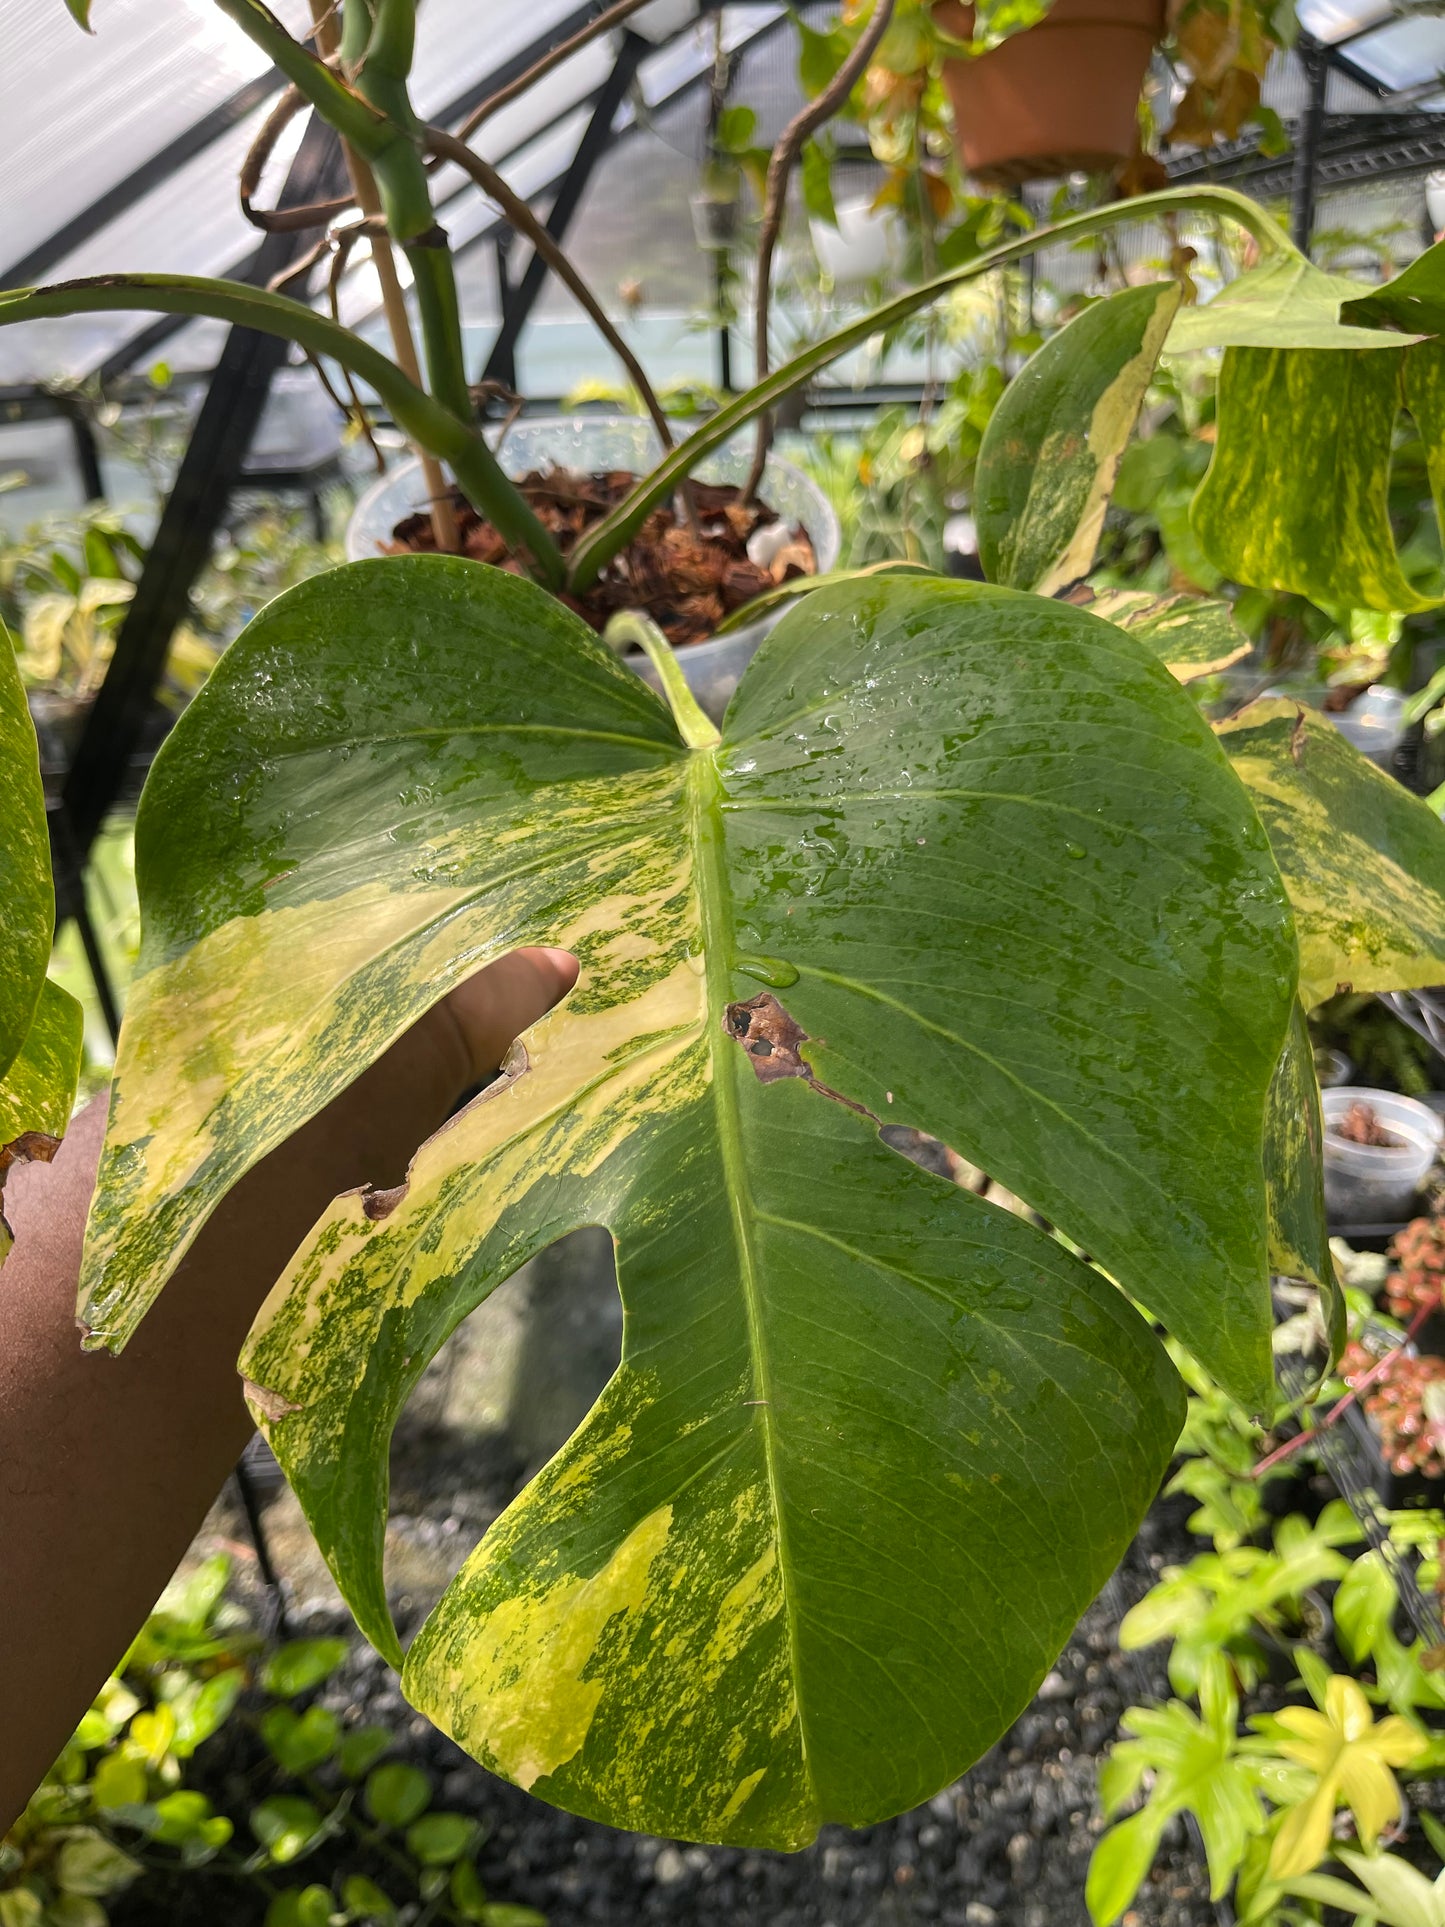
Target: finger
{"type": "Point", "coordinates": [496, 1005]}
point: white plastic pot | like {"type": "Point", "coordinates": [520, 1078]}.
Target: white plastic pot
{"type": "Point", "coordinates": [594, 443]}
{"type": "Point", "coordinates": [868, 242]}
{"type": "Point", "coordinates": [1377, 1183]}
{"type": "Point", "coordinates": [1373, 722]}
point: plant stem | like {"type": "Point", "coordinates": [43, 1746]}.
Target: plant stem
{"type": "Point", "coordinates": [616, 530]}
{"type": "Point", "coordinates": [519, 213]}
{"type": "Point", "coordinates": [393, 298]}
{"type": "Point", "coordinates": [613, 16]}
{"type": "Point", "coordinates": [416, 413]}
{"type": "Point", "coordinates": [376, 116]}
{"type": "Point", "coordinates": [392, 42]}
{"type": "Point", "coordinates": [338, 105]}
{"type": "Point", "coordinates": [631, 625]}
{"type": "Point", "coordinates": [406, 201]}
{"type": "Point", "coordinates": [775, 202]}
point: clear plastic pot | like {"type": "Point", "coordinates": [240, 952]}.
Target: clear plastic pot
{"type": "Point", "coordinates": [1377, 1183]}
{"type": "Point", "coordinates": [598, 442]}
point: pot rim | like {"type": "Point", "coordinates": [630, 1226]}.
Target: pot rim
{"type": "Point", "coordinates": [826, 540]}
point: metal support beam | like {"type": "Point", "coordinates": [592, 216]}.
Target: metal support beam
{"type": "Point", "coordinates": [503, 362]}
{"type": "Point", "coordinates": [1315, 60]}
{"type": "Point", "coordinates": [1352, 148]}
{"type": "Point", "coordinates": [212, 462]}
{"type": "Point", "coordinates": [87, 455]}
{"type": "Point", "coordinates": [519, 298]}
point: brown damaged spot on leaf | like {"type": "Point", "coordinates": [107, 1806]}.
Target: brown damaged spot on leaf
{"type": "Point", "coordinates": [1297, 736]}
{"type": "Point", "coordinates": [271, 1404]}
{"type": "Point", "coordinates": [771, 1039]}
{"type": "Point", "coordinates": [31, 1147]}
{"type": "Point", "coordinates": [769, 1036]}
{"type": "Point", "coordinates": [380, 1204]}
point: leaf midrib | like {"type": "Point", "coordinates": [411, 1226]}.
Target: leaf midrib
{"type": "Point", "coordinates": [714, 894]}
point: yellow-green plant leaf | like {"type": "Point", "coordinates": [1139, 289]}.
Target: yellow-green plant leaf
{"type": "Point", "coordinates": [1286, 302]}
{"type": "Point", "coordinates": [1194, 1767]}
{"type": "Point", "coordinates": [25, 887]}
{"type": "Point", "coordinates": [1351, 1754]}
{"type": "Point", "coordinates": [788, 1569]}
{"type": "Point", "coordinates": [1296, 495]}
{"type": "Point", "coordinates": [1363, 860]}
{"type": "Point", "coordinates": [1195, 636]}
{"type": "Point", "coordinates": [40, 1025]}
{"type": "Point", "coordinates": [37, 1093]}
{"type": "Point", "coordinates": [1052, 447]}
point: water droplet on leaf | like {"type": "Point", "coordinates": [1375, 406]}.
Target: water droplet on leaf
{"type": "Point", "coordinates": [775, 972]}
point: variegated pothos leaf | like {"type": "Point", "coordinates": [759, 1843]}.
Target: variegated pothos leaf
{"type": "Point", "coordinates": [1363, 860]}
{"type": "Point", "coordinates": [1057, 942]}
{"type": "Point", "coordinates": [1195, 636]}
{"type": "Point", "coordinates": [1052, 447]}
{"type": "Point", "coordinates": [1317, 523]}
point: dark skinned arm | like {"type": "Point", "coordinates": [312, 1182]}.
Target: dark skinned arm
{"type": "Point", "coordinates": [109, 1464]}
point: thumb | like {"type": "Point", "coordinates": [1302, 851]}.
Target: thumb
{"type": "Point", "coordinates": [497, 1005]}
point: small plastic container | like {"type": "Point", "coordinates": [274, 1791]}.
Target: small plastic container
{"type": "Point", "coordinates": [1377, 1183]}
{"type": "Point", "coordinates": [1332, 1067]}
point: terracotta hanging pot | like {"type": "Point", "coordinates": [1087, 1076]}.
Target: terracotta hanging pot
{"type": "Point", "coordinates": [1056, 99]}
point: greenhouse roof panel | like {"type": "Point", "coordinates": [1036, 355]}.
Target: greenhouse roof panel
{"type": "Point", "coordinates": [1331, 21]}
{"type": "Point", "coordinates": [81, 111]}
{"type": "Point", "coordinates": [1403, 55]}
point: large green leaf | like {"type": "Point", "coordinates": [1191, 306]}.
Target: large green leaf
{"type": "Point", "coordinates": [1052, 446]}
{"type": "Point", "coordinates": [1316, 522]}
{"type": "Point", "coordinates": [1425, 399]}
{"type": "Point", "coordinates": [787, 1571]}
{"type": "Point", "coordinates": [1194, 635]}
{"type": "Point", "coordinates": [25, 887]}
{"type": "Point", "coordinates": [37, 1093]}
{"type": "Point", "coordinates": [1001, 884]}
{"type": "Point", "coordinates": [1363, 860]}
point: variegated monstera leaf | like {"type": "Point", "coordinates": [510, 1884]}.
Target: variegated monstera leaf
{"type": "Point", "coordinates": [963, 859]}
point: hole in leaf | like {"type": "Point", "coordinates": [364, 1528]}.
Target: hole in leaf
{"type": "Point", "coordinates": [502, 1396]}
